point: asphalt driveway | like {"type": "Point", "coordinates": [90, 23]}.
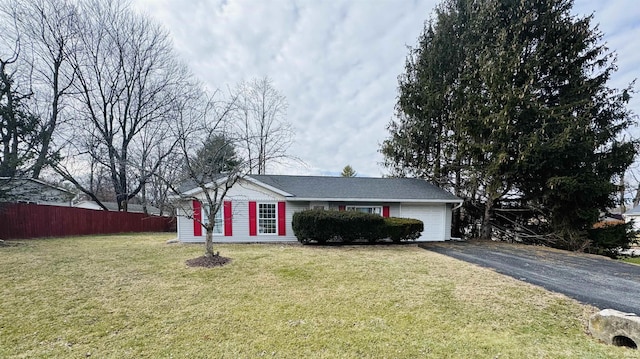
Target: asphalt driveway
{"type": "Point", "coordinates": [595, 280]}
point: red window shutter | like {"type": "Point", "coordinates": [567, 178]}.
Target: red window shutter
{"type": "Point", "coordinates": [385, 211]}
{"type": "Point", "coordinates": [228, 223]}
{"type": "Point", "coordinates": [253, 219]}
{"type": "Point", "coordinates": [282, 219]}
{"type": "Point", "coordinates": [342, 208]}
{"type": "Point", "coordinates": [197, 218]}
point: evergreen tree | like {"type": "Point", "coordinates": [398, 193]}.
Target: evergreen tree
{"type": "Point", "coordinates": [18, 127]}
{"type": "Point", "coordinates": [348, 171]}
{"type": "Point", "coordinates": [529, 116]}
{"type": "Point", "coordinates": [217, 155]}
{"type": "Point", "coordinates": [428, 138]}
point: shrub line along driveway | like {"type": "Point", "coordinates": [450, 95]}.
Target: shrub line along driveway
{"type": "Point", "coordinates": [590, 279]}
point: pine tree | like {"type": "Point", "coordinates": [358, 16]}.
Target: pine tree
{"type": "Point", "coordinates": [517, 110]}
{"type": "Point", "coordinates": [18, 127]}
{"type": "Point", "coordinates": [217, 155]}
{"type": "Point", "coordinates": [348, 171]}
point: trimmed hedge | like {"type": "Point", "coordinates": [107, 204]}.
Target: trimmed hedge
{"type": "Point", "coordinates": [347, 226]}
{"type": "Point", "coordinates": [400, 229]}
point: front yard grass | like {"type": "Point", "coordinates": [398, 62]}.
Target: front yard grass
{"type": "Point", "coordinates": [133, 296]}
{"type": "Point", "coordinates": [634, 260]}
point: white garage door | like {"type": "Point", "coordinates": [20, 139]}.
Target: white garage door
{"type": "Point", "coordinates": [433, 217]}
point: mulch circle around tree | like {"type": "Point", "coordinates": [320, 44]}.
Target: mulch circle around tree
{"type": "Point", "coordinates": [208, 262]}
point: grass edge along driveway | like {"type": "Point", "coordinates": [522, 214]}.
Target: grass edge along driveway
{"type": "Point", "coordinates": [133, 296]}
{"type": "Point", "coordinates": [591, 279]}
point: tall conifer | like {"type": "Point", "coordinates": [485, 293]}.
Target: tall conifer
{"type": "Point", "coordinates": [507, 101]}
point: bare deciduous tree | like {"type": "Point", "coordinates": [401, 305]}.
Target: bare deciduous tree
{"type": "Point", "coordinates": [208, 131]}
{"type": "Point", "coordinates": [267, 135]}
{"type": "Point", "coordinates": [128, 82]}
{"type": "Point", "coordinates": [158, 188]}
{"type": "Point", "coordinates": [200, 119]}
{"type": "Point", "coordinates": [48, 29]}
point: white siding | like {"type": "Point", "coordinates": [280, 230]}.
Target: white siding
{"type": "Point", "coordinates": [433, 216]}
{"type": "Point", "coordinates": [240, 195]}
{"type": "Point", "coordinates": [185, 228]}
{"type": "Point", "coordinates": [293, 207]}
{"type": "Point", "coordinates": [394, 210]}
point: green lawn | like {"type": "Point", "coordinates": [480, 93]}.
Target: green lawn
{"type": "Point", "coordinates": [133, 296]}
{"type": "Point", "coordinates": [634, 260]}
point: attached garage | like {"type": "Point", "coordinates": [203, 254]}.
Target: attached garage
{"type": "Point", "coordinates": [434, 217]}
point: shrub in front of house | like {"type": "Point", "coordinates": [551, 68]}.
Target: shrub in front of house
{"type": "Point", "coordinates": [403, 229]}
{"type": "Point", "coordinates": [348, 226]}
{"type": "Point", "coordinates": [337, 226]}
{"type": "Point", "coordinates": [317, 225]}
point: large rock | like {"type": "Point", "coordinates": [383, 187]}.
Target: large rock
{"type": "Point", "coordinates": [617, 328]}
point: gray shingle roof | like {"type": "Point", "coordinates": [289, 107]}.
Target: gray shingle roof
{"type": "Point", "coordinates": [190, 183]}
{"type": "Point", "coordinates": [318, 187]}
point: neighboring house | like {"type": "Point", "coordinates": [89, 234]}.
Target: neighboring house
{"type": "Point", "coordinates": [113, 206]}
{"type": "Point", "coordinates": [30, 190]}
{"type": "Point", "coordinates": [633, 214]}
{"type": "Point", "coordinates": [259, 208]}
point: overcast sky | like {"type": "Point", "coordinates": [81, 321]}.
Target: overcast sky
{"type": "Point", "coordinates": [337, 62]}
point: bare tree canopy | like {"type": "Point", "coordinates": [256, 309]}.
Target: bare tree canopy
{"type": "Point", "coordinates": [262, 111]}
{"type": "Point", "coordinates": [99, 95]}
{"type": "Point", "coordinates": [217, 150]}
{"type": "Point", "coordinates": [200, 120]}
{"type": "Point", "coordinates": [48, 30]}
{"type": "Point", "coordinates": [127, 86]}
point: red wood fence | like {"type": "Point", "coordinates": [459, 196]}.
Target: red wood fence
{"type": "Point", "coordinates": [20, 220]}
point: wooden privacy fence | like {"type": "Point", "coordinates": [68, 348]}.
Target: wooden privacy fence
{"type": "Point", "coordinates": [21, 220]}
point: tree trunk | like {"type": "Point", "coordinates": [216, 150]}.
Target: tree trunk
{"type": "Point", "coordinates": [456, 230]}
{"type": "Point", "coordinates": [621, 192]}
{"type": "Point", "coordinates": [209, 242]}
{"type": "Point", "coordinates": [143, 192]}
{"type": "Point", "coordinates": [487, 229]}
{"type": "Point", "coordinates": [636, 198]}
{"type": "Point", "coordinates": [47, 133]}
{"type": "Point", "coordinates": [43, 155]}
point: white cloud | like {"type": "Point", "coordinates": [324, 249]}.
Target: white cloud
{"type": "Point", "coordinates": [336, 62]}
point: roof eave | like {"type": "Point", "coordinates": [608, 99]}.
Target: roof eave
{"type": "Point", "coordinates": [403, 200]}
